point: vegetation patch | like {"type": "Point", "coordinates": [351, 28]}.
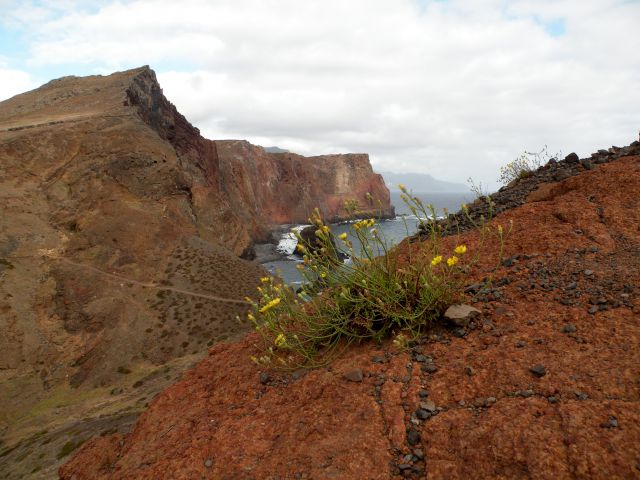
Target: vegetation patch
{"type": "Point", "coordinates": [376, 294]}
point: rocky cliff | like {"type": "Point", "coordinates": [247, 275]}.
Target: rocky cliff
{"type": "Point", "coordinates": [543, 384]}
{"type": "Point", "coordinates": [120, 228]}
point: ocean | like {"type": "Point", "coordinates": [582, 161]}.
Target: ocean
{"type": "Point", "coordinates": [392, 230]}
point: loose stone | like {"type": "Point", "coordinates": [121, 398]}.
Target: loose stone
{"type": "Point", "coordinates": [569, 328]}
{"type": "Point", "coordinates": [538, 370]}
{"type": "Point", "coordinates": [422, 414]}
{"type": "Point", "coordinates": [611, 423]}
{"type": "Point", "coordinates": [413, 437]}
{"type": "Point", "coordinates": [355, 375]}
{"type": "Point", "coordinates": [429, 368]}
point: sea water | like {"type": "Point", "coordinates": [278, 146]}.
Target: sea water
{"type": "Point", "coordinates": [393, 230]}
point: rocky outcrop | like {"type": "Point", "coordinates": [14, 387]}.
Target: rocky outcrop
{"type": "Point", "coordinates": [532, 187]}
{"type": "Point", "coordinates": [242, 190]}
{"type": "Point", "coordinates": [542, 383]}
{"type": "Point", "coordinates": [120, 228]}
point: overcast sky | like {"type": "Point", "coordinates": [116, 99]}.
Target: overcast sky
{"type": "Point", "coordinates": [451, 88]}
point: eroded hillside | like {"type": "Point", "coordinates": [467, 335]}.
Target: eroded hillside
{"type": "Point", "coordinates": [119, 234]}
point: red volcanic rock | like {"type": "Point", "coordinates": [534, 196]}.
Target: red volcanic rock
{"type": "Point", "coordinates": [469, 402]}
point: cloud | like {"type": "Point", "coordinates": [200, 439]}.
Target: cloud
{"type": "Point", "coordinates": [453, 88]}
{"type": "Point", "coordinates": [13, 81]}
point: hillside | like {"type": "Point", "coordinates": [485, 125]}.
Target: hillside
{"type": "Point", "coordinates": [543, 384]}
{"type": "Point", "coordinates": [119, 234]}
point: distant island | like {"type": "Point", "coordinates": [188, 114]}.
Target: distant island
{"type": "Point", "coordinates": [421, 182]}
{"type": "Point", "coordinates": [275, 150]}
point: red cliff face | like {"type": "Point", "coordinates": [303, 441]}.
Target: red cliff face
{"type": "Point", "coordinates": [240, 191]}
{"type": "Point", "coordinates": [120, 228]}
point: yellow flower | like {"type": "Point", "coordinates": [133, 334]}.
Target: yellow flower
{"type": "Point", "coordinates": [251, 317]}
{"type": "Point", "coordinates": [300, 267]}
{"type": "Point", "coordinates": [323, 274]}
{"type": "Point", "coordinates": [371, 222]}
{"type": "Point", "coordinates": [451, 261]}
{"type": "Point", "coordinates": [461, 249]}
{"type": "Point", "coordinates": [325, 229]}
{"type": "Point", "coordinates": [465, 207]}
{"type": "Point", "coordinates": [300, 247]}
{"type": "Point", "coordinates": [269, 305]}
{"type": "Point", "coordinates": [402, 187]}
{"type": "Point", "coordinates": [500, 229]}
{"type": "Point", "coordinates": [280, 340]}
{"type": "Point", "coordinates": [342, 236]}
{"type": "Point", "coordinates": [264, 279]}
{"type": "Point", "coordinates": [436, 260]}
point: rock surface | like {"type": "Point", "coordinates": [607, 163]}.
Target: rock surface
{"type": "Point", "coordinates": [580, 420]}
{"type": "Point", "coordinates": [120, 228]}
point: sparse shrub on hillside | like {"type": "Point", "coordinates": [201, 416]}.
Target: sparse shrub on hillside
{"type": "Point", "coordinates": [478, 190]}
{"type": "Point", "coordinates": [379, 293]}
{"type": "Point", "coordinates": [524, 165]}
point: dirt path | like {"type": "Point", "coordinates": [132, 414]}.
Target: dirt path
{"type": "Point", "coordinates": [156, 286]}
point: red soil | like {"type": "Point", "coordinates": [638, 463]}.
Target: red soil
{"type": "Point", "coordinates": [576, 246]}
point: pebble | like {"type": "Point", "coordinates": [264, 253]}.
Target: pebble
{"type": "Point", "coordinates": [569, 328]}
{"type": "Point", "coordinates": [355, 375]}
{"type": "Point", "coordinates": [422, 358]}
{"type": "Point", "coordinates": [459, 332]}
{"type": "Point", "coordinates": [208, 463]}
{"type": "Point", "coordinates": [581, 396]}
{"type": "Point", "coordinates": [423, 393]}
{"type": "Point", "coordinates": [552, 399]}
{"type": "Point", "coordinates": [538, 370]}
{"type": "Point", "coordinates": [419, 454]}
{"type": "Point", "coordinates": [413, 436]}
{"type": "Point", "coordinates": [429, 368]}
{"type": "Point", "coordinates": [264, 378]}
{"type": "Point", "coordinates": [469, 371]}
{"type": "Point", "coordinates": [404, 466]}
{"type": "Point", "coordinates": [428, 405]}
{"type": "Point", "coordinates": [525, 393]}
{"type": "Point", "coordinates": [588, 273]}
{"type": "Point", "coordinates": [377, 359]}
{"type": "Point", "coordinates": [422, 414]}
{"type": "Point", "coordinates": [593, 310]}
{"type": "Point", "coordinates": [520, 344]}
{"type": "Point", "coordinates": [611, 423]}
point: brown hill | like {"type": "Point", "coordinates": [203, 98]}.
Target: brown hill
{"type": "Point", "coordinates": [119, 231]}
{"type": "Point", "coordinates": [544, 384]}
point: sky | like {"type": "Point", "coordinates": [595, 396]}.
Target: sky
{"type": "Point", "coordinates": [451, 88]}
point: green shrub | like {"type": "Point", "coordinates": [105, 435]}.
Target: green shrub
{"type": "Point", "coordinates": [380, 293]}
{"type": "Point", "coordinates": [524, 165]}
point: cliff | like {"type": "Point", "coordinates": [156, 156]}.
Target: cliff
{"type": "Point", "coordinates": [120, 228]}
{"type": "Point", "coordinates": [543, 384]}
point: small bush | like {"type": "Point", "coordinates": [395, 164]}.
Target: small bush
{"type": "Point", "coordinates": [376, 295]}
{"type": "Point", "coordinates": [524, 165]}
